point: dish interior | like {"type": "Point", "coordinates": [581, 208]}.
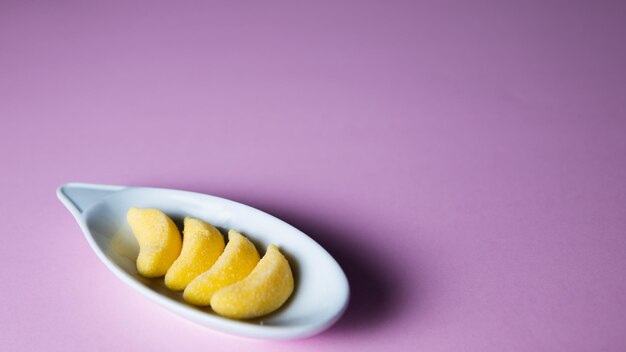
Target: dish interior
{"type": "Point", "coordinates": [320, 285]}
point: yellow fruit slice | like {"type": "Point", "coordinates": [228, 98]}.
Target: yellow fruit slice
{"type": "Point", "coordinates": [267, 287]}
{"type": "Point", "coordinates": [202, 245]}
{"type": "Point", "coordinates": [159, 240]}
{"type": "Point", "coordinates": [238, 260]}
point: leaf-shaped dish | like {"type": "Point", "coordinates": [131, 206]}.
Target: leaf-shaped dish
{"type": "Point", "coordinates": [321, 288]}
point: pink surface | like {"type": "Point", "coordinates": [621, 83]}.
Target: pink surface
{"type": "Point", "coordinates": [465, 164]}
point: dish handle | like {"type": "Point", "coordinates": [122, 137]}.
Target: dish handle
{"type": "Point", "coordinates": [77, 197]}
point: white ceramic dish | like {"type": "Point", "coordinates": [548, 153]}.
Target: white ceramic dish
{"type": "Point", "coordinates": [321, 292]}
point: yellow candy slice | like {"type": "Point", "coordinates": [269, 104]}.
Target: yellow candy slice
{"type": "Point", "coordinates": [159, 240]}
{"type": "Point", "coordinates": [238, 260]}
{"type": "Point", "coordinates": [202, 245]}
{"type": "Point", "coordinates": [267, 287]}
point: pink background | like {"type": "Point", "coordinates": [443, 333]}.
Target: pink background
{"type": "Point", "coordinates": [465, 164]}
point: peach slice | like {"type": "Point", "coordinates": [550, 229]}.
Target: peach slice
{"type": "Point", "coordinates": [202, 245]}
{"type": "Point", "coordinates": [159, 240]}
{"type": "Point", "coordinates": [266, 289]}
{"type": "Point", "coordinates": [238, 260]}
